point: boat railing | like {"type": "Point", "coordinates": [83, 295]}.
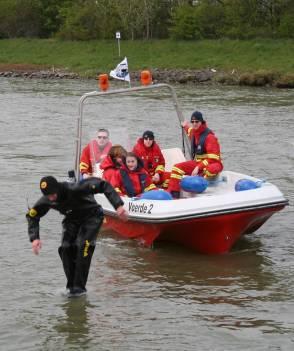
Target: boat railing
{"type": "Point", "coordinates": [96, 94]}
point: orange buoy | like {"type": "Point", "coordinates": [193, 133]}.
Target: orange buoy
{"type": "Point", "coordinates": [103, 82]}
{"type": "Point", "coordinates": [146, 77]}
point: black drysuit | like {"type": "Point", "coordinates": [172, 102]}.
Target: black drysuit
{"type": "Point", "coordinates": [83, 217]}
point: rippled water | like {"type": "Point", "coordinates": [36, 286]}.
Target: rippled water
{"type": "Point", "coordinates": [168, 298]}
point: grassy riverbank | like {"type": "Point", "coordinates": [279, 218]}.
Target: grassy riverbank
{"type": "Point", "coordinates": [86, 58]}
{"type": "Point", "coordinates": [254, 62]}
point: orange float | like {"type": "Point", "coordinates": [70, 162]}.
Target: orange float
{"type": "Point", "coordinates": [103, 82]}
{"type": "Point", "coordinates": [146, 77]}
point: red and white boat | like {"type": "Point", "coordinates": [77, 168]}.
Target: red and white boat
{"type": "Point", "coordinates": [210, 222]}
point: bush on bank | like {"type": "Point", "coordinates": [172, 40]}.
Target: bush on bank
{"type": "Point", "coordinates": [152, 19]}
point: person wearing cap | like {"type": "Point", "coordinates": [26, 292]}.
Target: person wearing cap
{"type": "Point", "coordinates": [206, 159]}
{"type": "Point", "coordinates": [94, 152]}
{"type": "Point", "coordinates": [149, 151]}
{"type": "Point", "coordinates": [83, 217]}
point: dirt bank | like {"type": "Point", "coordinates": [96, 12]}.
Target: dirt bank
{"type": "Point", "coordinates": [181, 76]}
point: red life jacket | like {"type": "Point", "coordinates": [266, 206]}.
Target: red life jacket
{"type": "Point", "coordinates": [133, 183]}
{"type": "Point", "coordinates": [91, 155]}
{"type": "Point", "coordinates": [205, 147]}
{"type": "Point", "coordinates": [110, 169]}
{"type": "Point", "coordinates": [152, 157]}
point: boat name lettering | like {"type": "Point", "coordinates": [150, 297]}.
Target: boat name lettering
{"type": "Point", "coordinates": [142, 208]}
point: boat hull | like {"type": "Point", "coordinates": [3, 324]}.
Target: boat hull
{"type": "Point", "coordinates": [213, 234]}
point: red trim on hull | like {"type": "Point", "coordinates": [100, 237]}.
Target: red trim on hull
{"type": "Point", "coordinates": [209, 235]}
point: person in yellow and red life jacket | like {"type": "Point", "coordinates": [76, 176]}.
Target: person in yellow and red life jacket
{"type": "Point", "coordinates": [113, 162]}
{"type": "Point", "coordinates": [83, 217]}
{"type": "Point", "coordinates": [149, 151]}
{"type": "Point", "coordinates": [206, 158]}
{"type": "Point", "coordinates": [132, 179]}
{"type": "Point", "coordinates": [94, 152]}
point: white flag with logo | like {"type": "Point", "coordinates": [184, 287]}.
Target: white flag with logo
{"type": "Point", "coordinates": [121, 71]}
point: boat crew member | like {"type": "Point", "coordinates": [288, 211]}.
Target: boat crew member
{"type": "Point", "coordinates": [94, 152]}
{"type": "Point", "coordinates": [149, 151]}
{"type": "Point", "coordinates": [133, 179]}
{"type": "Point", "coordinates": [113, 162]}
{"type": "Point", "coordinates": [206, 158]}
{"type": "Point", "coordinates": [83, 217]}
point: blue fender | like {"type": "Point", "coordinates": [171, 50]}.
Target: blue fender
{"type": "Point", "coordinates": [246, 184]}
{"type": "Point", "coordinates": [194, 184]}
{"type": "Point", "coordinates": [156, 195]}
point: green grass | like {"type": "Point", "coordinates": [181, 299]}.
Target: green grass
{"type": "Point", "coordinates": [87, 58]}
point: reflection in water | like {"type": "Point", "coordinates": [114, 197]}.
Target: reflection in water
{"type": "Point", "coordinates": [231, 271]}
{"type": "Point", "coordinates": [74, 326]}
{"type": "Point", "coordinates": [230, 291]}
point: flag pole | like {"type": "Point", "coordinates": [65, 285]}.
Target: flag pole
{"type": "Point", "coordinates": [117, 35]}
{"type": "Point", "coordinates": [129, 76]}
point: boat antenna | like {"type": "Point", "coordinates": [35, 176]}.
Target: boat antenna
{"type": "Point", "coordinates": [183, 141]}
{"type": "Point", "coordinates": [27, 200]}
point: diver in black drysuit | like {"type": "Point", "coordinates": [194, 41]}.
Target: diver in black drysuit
{"type": "Point", "coordinates": [81, 224]}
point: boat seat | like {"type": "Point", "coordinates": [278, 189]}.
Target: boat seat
{"type": "Point", "coordinates": [172, 156]}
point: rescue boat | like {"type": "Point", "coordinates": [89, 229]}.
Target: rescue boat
{"type": "Point", "coordinates": [210, 222]}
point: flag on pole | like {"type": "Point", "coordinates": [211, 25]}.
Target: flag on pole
{"type": "Point", "coordinates": [121, 71]}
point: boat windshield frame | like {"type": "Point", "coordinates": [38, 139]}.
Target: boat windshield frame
{"type": "Point", "coordinates": [94, 94]}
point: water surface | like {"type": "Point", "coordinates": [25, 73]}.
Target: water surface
{"type": "Point", "coordinates": [168, 298]}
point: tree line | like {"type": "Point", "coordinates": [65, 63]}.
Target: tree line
{"type": "Point", "coordinates": [147, 19]}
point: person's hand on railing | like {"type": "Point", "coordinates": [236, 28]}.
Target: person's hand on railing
{"type": "Point", "coordinates": [122, 213]}
{"type": "Point", "coordinates": [184, 124]}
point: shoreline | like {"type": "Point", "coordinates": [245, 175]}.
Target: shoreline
{"type": "Point", "coordinates": [180, 76]}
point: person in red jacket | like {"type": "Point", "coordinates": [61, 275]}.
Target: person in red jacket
{"type": "Point", "coordinates": [132, 179]}
{"type": "Point", "coordinates": [206, 159]}
{"type": "Point", "coordinates": [94, 153]}
{"type": "Point", "coordinates": [113, 162]}
{"type": "Point", "coordinates": [149, 151]}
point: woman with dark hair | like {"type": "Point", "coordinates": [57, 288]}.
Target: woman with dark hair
{"type": "Point", "coordinates": [132, 179]}
{"type": "Point", "coordinates": [113, 162]}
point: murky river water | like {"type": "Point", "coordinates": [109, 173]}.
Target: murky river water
{"type": "Point", "coordinates": [168, 298]}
